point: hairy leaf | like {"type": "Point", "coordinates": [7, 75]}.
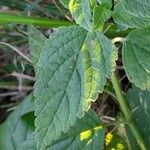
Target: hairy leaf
{"type": "Point", "coordinates": [17, 133]}
{"type": "Point", "coordinates": [87, 13]}
{"type": "Point", "coordinates": [131, 13]}
{"type": "Point", "coordinates": [87, 134]}
{"type": "Point", "coordinates": [140, 103]}
{"type": "Point", "coordinates": [100, 15]}
{"type": "Point", "coordinates": [136, 57]}
{"type": "Point", "coordinates": [36, 43]}
{"type": "Point", "coordinates": [81, 12]}
{"type": "Point", "coordinates": [72, 70]}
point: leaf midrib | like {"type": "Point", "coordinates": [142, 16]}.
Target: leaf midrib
{"type": "Point", "coordinates": [80, 49]}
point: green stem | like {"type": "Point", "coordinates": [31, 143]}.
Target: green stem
{"type": "Point", "coordinates": [126, 111]}
{"type": "Point", "coordinates": [44, 22]}
{"type": "Point", "coordinates": [52, 23]}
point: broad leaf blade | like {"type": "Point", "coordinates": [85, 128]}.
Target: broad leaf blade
{"type": "Point", "coordinates": [140, 103]}
{"type": "Point", "coordinates": [36, 43]}
{"type": "Point", "coordinates": [72, 70]}
{"type": "Point", "coordinates": [17, 133]}
{"type": "Point", "coordinates": [87, 134]}
{"type": "Point", "coordinates": [81, 12]}
{"type": "Point", "coordinates": [131, 13]}
{"type": "Point", "coordinates": [136, 57]}
{"type": "Point", "coordinates": [88, 14]}
{"type": "Point", "coordinates": [100, 15]}
{"type": "Point", "coordinates": [141, 8]}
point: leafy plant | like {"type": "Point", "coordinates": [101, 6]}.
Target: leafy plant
{"type": "Point", "coordinates": [73, 66]}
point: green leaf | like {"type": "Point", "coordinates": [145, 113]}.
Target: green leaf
{"type": "Point", "coordinates": [131, 13]}
{"type": "Point", "coordinates": [27, 105]}
{"type": "Point", "coordinates": [86, 134]}
{"type": "Point", "coordinates": [87, 13]}
{"type": "Point", "coordinates": [136, 57]}
{"type": "Point", "coordinates": [36, 43]}
{"type": "Point", "coordinates": [17, 133]}
{"type": "Point", "coordinates": [100, 15]}
{"type": "Point", "coordinates": [81, 12]}
{"type": "Point", "coordinates": [140, 103]}
{"type": "Point", "coordinates": [105, 3]}
{"type": "Point", "coordinates": [72, 70]}
{"type": "Point", "coordinates": [65, 3]}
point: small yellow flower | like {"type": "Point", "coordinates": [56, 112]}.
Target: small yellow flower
{"type": "Point", "coordinates": [120, 146]}
{"type": "Point", "coordinates": [108, 138]}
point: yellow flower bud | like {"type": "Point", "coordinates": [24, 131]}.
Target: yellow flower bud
{"type": "Point", "coordinates": [108, 138]}
{"type": "Point", "coordinates": [120, 146]}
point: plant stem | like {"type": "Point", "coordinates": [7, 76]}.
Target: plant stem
{"type": "Point", "coordinates": [44, 22]}
{"type": "Point", "coordinates": [126, 111]}
{"type": "Point", "coordinates": [52, 23]}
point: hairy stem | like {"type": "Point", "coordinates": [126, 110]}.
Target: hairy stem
{"type": "Point", "coordinates": [126, 111]}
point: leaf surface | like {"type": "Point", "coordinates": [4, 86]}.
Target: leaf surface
{"type": "Point", "coordinates": [17, 133]}
{"type": "Point", "coordinates": [87, 134]}
{"type": "Point", "coordinates": [87, 13]}
{"type": "Point", "coordinates": [36, 43]}
{"type": "Point", "coordinates": [72, 70]}
{"type": "Point", "coordinates": [100, 15]}
{"type": "Point", "coordinates": [140, 103]}
{"type": "Point", "coordinates": [132, 13]}
{"type": "Point", "coordinates": [136, 57]}
{"type": "Point", "coordinates": [81, 12]}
